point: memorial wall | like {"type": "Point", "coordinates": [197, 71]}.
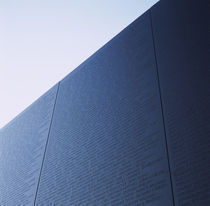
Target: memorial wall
{"type": "Point", "coordinates": [130, 126]}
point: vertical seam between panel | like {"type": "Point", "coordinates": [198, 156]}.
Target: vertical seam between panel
{"type": "Point", "coordinates": [46, 143]}
{"type": "Point", "coordinates": [161, 104]}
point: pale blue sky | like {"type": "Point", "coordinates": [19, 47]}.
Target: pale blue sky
{"type": "Point", "coordinates": [43, 40]}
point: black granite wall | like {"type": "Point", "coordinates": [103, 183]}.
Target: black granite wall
{"type": "Point", "coordinates": [22, 145]}
{"type": "Point", "coordinates": [106, 145]}
{"type": "Point", "coordinates": [181, 35]}
{"type": "Point", "coordinates": [129, 126]}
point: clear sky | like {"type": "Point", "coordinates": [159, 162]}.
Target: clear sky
{"type": "Point", "coordinates": [43, 40]}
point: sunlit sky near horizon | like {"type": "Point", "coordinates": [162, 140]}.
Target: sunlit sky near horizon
{"type": "Point", "coordinates": [43, 40]}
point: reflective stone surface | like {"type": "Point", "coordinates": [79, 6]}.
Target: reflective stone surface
{"type": "Point", "coordinates": [107, 142]}
{"type": "Point", "coordinates": [129, 126]}
{"type": "Point", "coordinates": [22, 145]}
{"type": "Point", "coordinates": [181, 31]}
